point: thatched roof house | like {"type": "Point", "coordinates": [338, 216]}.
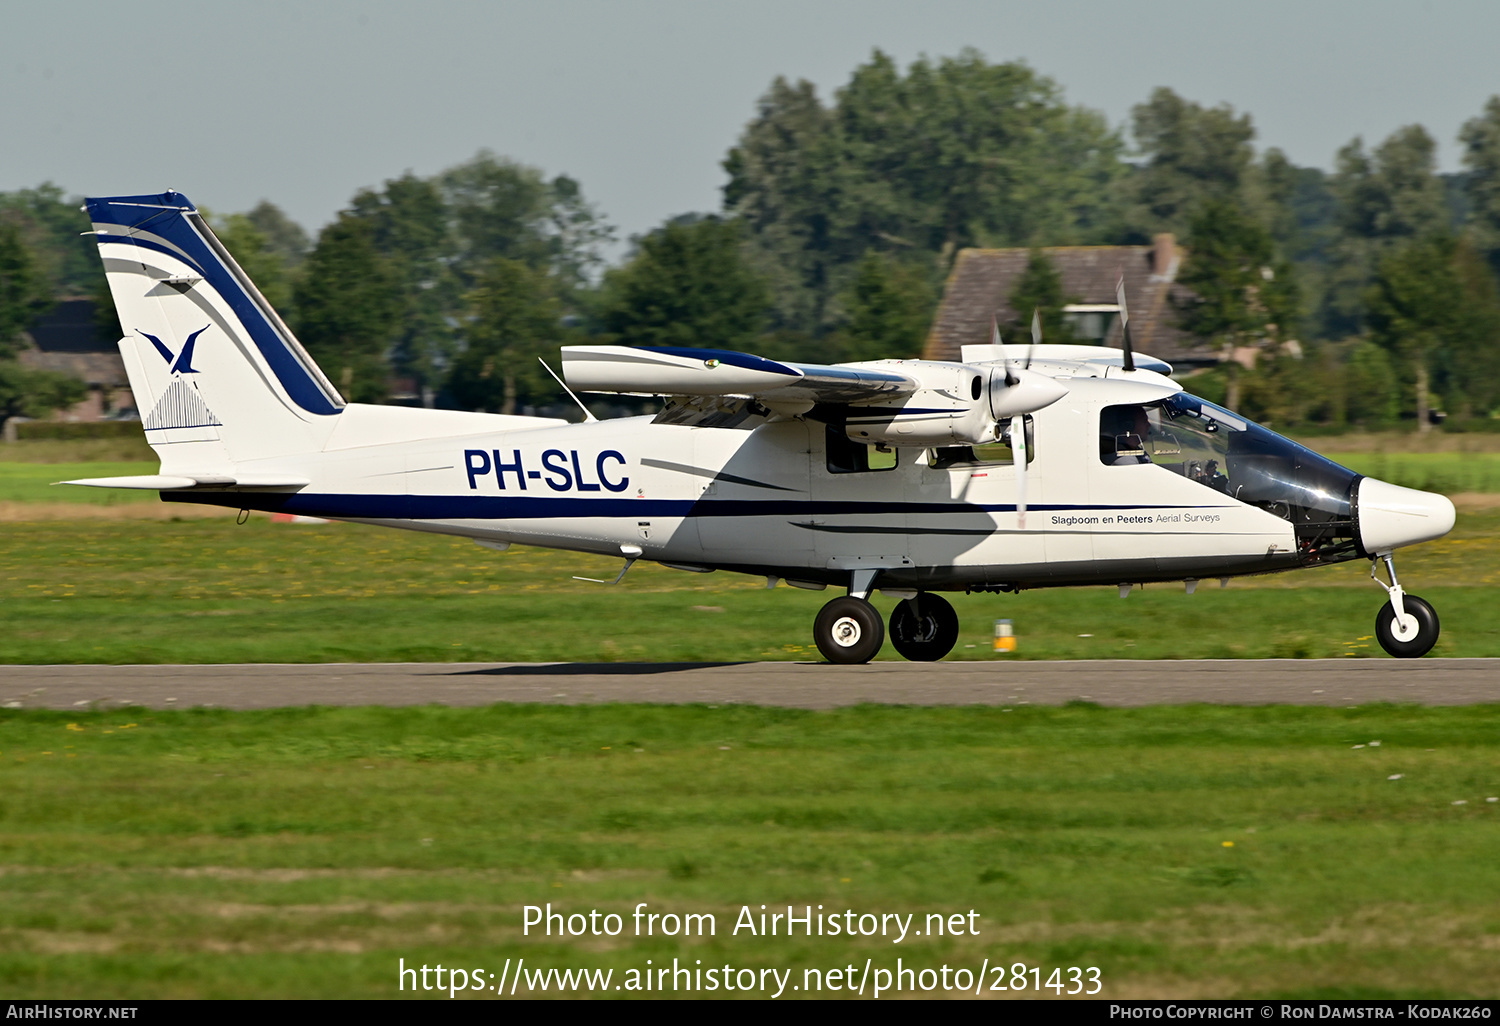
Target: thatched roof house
{"type": "Point", "coordinates": [982, 280]}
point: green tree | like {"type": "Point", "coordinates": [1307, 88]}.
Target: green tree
{"type": "Point", "coordinates": [1426, 303]}
{"type": "Point", "coordinates": [973, 153]}
{"type": "Point", "coordinates": [1194, 155]}
{"type": "Point", "coordinates": [1241, 294]}
{"type": "Point", "coordinates": [687, 285]}
{"type": "Point", "coordinates": [24, 295]}
{"type": "Point", "coordinates": [35, 393]}
{"type": "Point", "coordinates": [266, 266]}
{"type": "Point", "coordinates": [890, 311]}
{"type": "Point", "coordinates": [1385, 199]}
{"type": "Point", "coordinates": [1040, 288]}
{"type": "Point", "coordinates": [514, 318]}
{"type": "Point", "coordinates": [1371, 388]}
{"type": "Point", "coordinates": [1481, 139]}
{"type": "Point", "coordinates": [284, 237]}
{"type": "Point", "coordinates": [438, 236]}
{"type": "Point", "coordinates": [24, 291]}
{"type": "Point", "coordinates": [953, 153]}
{"type": "Point", "coordinates": [788, 186]}
{"type": "Point", "coordinates": [1298, 208]}
{"type": "Point", "coordinates": [52, 226]}
{"type": "Point", "coordinates": [412, 230]}
{"type": "Point", "coordinates": [1469, 375]}
{"type": "Point", "coordinates": [503, 209]}
{"type": "Point", "coordinates": [346, 307]}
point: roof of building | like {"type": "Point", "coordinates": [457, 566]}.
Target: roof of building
{"type": "Point", "coordinates": [66, 339]}
{"type": "Point", "coordinates": [70, 327]}
{"type": "Point", "coordinates": [981, 282]}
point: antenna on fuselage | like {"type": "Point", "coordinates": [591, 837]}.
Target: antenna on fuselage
{"type": "Point", "coordinates": [1124, 323]}
{"type": "Point", "coordinates": [587, 416]}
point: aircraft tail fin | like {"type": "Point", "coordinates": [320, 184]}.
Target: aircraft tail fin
{"type": "Point", "coordinates": [218, 376]}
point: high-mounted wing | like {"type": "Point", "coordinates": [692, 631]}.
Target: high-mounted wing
{"type": "Point", "coordinates": [713, 372]}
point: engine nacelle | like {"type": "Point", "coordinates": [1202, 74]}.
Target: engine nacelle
{"type": "Point", "coordinates": [958, 404]}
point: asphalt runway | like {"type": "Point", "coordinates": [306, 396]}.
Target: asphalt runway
{"type": "Point", "coordinates": [797, 685]}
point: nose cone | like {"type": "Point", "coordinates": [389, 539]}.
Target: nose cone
{"type": "Point", "coordinates": [1031, 392]}
{"type": "Point", "coordinates": [1391, 516]}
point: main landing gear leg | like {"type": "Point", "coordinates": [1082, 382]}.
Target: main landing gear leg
{"type": "Point", "coordinates": [848, 629]}
{"type": "Point", "coordinates": [1406, 626]}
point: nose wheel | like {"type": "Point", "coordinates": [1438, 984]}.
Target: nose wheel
{"type": "Point", "coordinates": [1406, 626]}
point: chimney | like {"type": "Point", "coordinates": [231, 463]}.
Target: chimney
{"type": "Point", "coordinates": [1164, 256]}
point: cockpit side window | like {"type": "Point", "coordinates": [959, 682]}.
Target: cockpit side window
{"type": "Point", "coordinates": [1123, 435]}
{"type": "Point", "coordinates": [1181, 440]}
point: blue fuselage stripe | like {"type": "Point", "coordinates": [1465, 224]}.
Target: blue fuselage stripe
{"type": "Point", "coordinates": [503, 507]}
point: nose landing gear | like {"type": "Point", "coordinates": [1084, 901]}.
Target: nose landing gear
{"type": "Point", "coordinates": [1406, 626]}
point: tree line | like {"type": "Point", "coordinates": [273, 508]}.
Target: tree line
{"type": "Point", "coordinates": [1368, 292]}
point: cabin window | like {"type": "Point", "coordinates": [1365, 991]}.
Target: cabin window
{"type": "Point", "coordinates": [998, 452]}
{"type": "Point", "coordinates": [846, 456]}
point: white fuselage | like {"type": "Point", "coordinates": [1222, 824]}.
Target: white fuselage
{"type": "Point", "coordinates": [765, 501]}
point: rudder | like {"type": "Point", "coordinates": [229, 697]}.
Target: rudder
{"type": "Point", "coordinates": [217, 375]}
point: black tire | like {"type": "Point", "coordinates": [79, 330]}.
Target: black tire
{"type": "Point", "coordinates": [926, 633]}
{"type": "Point", "coordinates": [848, 630]}
{"type": "Point", "coordinates": [1418, 644]}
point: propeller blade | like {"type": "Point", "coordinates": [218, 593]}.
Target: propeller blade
{"type": "Point", "coordinates": [1124, 324]}
{"type": "Point", "coordinates": [1018, 454]}
{"type": "Point", "coordinates": [1010, 378]}
{"type": "Point", "coordinates": [1036, 336]}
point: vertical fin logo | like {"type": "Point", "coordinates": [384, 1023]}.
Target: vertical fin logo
{"type": "Point", "coordinates": [184, 361]}
{"type": "Point", "coordinates": [180, 406]}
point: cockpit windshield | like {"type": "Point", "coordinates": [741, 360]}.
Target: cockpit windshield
{"type": "Point", "coordinates": [1219, 450]}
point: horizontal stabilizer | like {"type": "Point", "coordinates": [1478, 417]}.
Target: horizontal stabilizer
{"type": "Point", "coordinates": [176, 483]}
{"type": "Point", "coordinates": [714, 372]}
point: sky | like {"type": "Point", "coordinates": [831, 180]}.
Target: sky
{"type": "Point", "coordinates": [639, 100]}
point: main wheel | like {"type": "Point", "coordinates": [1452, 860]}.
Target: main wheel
{"type": "Point", "coordinates": [926, 633]}
{"type": "Point", "coordinates": [848, 630]}
{"type": "Point", "coordinates": [1413, 638]}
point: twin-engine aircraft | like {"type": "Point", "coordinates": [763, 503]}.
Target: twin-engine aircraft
{"type": "Point", "coordinates": [1016, 467]}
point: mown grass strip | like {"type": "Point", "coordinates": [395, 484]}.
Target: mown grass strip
{"type": "Point", "coordinates": [1188, 851]}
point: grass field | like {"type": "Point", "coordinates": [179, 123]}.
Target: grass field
{"type": "Point", "coordinates": [1199, 851]}
{"type": "Point", "coordinates": [37, 483]}
{"type": "Point", "coordinates": [1447, 472]}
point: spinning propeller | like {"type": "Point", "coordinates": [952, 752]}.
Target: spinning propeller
{"type": "Point", "coordinates": [1018, 428]}
{"type": "Point", "coordinates": [1124, 324]}
{"type": "Point", "coordinates": [1019, 392]}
